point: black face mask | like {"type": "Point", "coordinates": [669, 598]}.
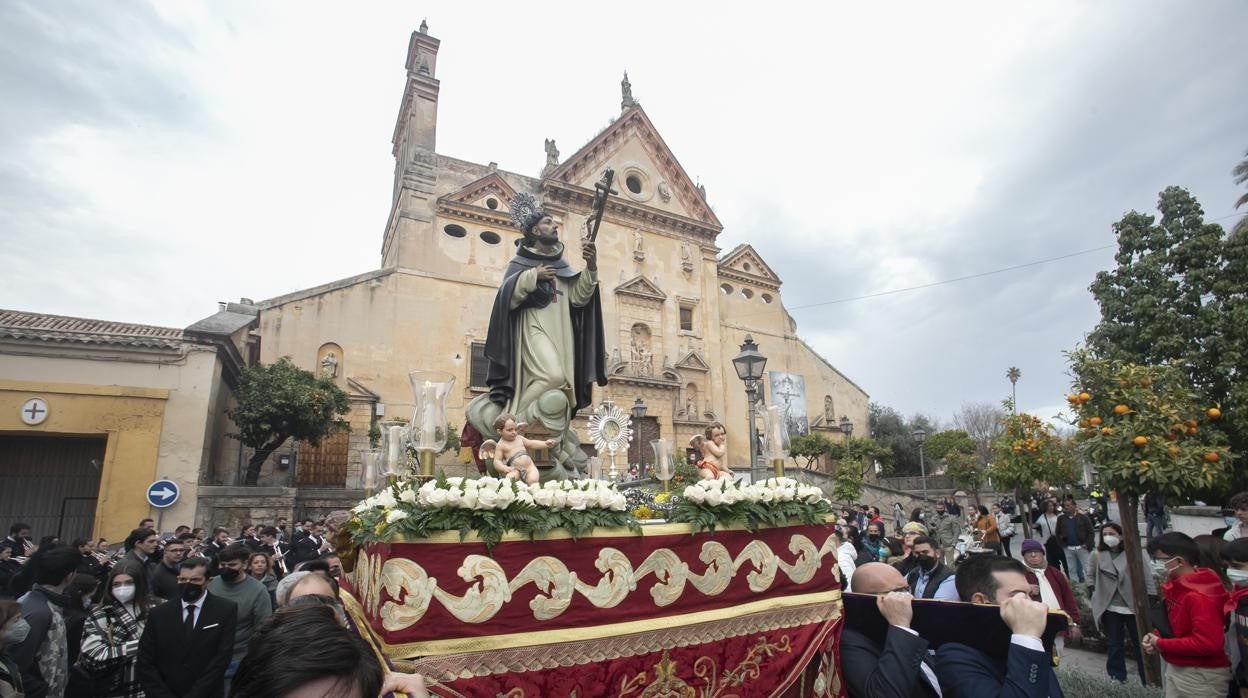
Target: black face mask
{"type": "Point", "coordinates": [282, 527]}
{"type": "Point", "coordinates": [872, 537]}
{"type": "Point", "coordinates": [230, 575]}
{"type": "Point", "coordinates": [190, 592]}
{"type": "Point", "coordinates": [927, 564]}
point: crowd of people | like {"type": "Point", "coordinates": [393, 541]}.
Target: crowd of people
{"type": "Point", "coordinates": [183, 614]}
{"type": "Point", "coordinates": [1197, 588]}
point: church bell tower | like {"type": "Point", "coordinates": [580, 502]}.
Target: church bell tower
{"type": "Point", "coordinates": [413, 143]}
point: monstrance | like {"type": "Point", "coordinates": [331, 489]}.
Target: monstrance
{"type": "Point", "coordinates": [611, 430]}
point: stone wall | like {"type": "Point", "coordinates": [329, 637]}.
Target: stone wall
{"type": "Point", "coordinates": [234, 507]}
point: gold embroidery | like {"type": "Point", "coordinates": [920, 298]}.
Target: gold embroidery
{"type": "Point", "coordinates": [666, 683]}
{"type": "Point", "coordinates": [411, 589]}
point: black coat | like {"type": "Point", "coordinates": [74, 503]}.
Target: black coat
{"type": "Point", "coordinates": [171, 666]}
{"type": "Point", "coordinates": [891, 671]}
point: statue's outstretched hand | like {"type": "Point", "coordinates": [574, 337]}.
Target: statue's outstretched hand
{"type": "Point", "coordinates": [590, 253]}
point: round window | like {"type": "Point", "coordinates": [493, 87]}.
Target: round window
{"type": "Point", "coordinates": [633, 182]}
{"type": "Point", "coordinates": [490, 237]}
{"type": "Point", "coordinates": [746, 266]}
{"type": "Point", "coordinates": [491, 203]}
{"type": "Point", "coordinates": [455, 231]}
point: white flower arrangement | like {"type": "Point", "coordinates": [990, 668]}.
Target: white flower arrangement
{"type": "Point", "coordinates": [774, 501]}
{"type": "Point", "coordinates": [726, 492]}
{"type": "Point", "coordinates": [489, 505]}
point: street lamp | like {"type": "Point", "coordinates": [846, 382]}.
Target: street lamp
{"type": "Point", "coordinates": [921, 436]}
{"type": "Point", "coordinates": [639, 413]}
{"type": "Point", "coordinates": [749, 365]}
{"type": "Point", "coordinates": [847, 428]}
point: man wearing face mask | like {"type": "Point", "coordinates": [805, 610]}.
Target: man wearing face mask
{"type": "Point", "coordinates": [188, 641]}
{"type": "Point", "coordinates": [248, 594]}
{"type": "Point", "coordinates": [43, 657]}
{"type": "Point", "coordinates": [931, 578]}
{"type": "Point", "coordinates": [1195, 600]}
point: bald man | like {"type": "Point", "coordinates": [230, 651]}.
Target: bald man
{"type": "Point", "coordinates": [899, 668]}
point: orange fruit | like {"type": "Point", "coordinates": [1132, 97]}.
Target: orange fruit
{"type": "Point", "coordinates": [1213, 413]}
{"type": "Point", "coordinates": [1106, 431]}
{"type": "Point", "coordinates": [1190, 423]}
{"type": "Point", "coordinates": [1072, 399]}
{"type": "Point", "coordinates": [1085, 423]}
{"type": "Point", "coordinates": [1121, 409]}
{"type": "Point", "coordinates": [1173, 450]}
{"type": "Point", "coordinates": [1145, 382]}
{"type": "Point", "coordinates": [1084, 397]}
{"type": "Point", "coordinates": [1140, 440]}
{"type": "Point", "coordinates": [1211, 457]}
{"type": "Point", "coordinates": [1191, 431]}
{"type": "Point", "coordinates": [1095, 421]}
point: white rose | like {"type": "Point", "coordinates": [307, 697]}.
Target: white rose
{"type": "Point", "coordinates": [560, 499]}
{"type": "Point", "coordinates": [731, 496]}
{"type": "Point", "coordinates": [714, 497]}
{"type": "Point", "coordinates": [395, 515]}
{"type": "Point", "coordinates": [486, 498]}
{"type": "Point", "coordinates": [814, 498]}
{"type": "Point", "coordinates": [543, 497]}
{"type": "Point", "coordinates": [385, 498]}
{"type": "Point", "coordinates": [525, 497]}
{"type": "Point", "coordinates": [619, 503]}
{"type": "Point", "coordinates": [695, 494]}
{"type": "Point", "coordinates": [576, 500]}
{"type": "Point", "coordinates": [454, 497]}
{"type": "Point", "coordinates": [505, 497]}
{"type": "Point", "coordinates": [409, 496]}
{"type": "Point", "coordinates": [437, 498]}
{"type": "Point", "coordinates": [551, 485]}
{"type": "Point", "coordinates": [452, 481]}
{"type": "Point", "coordinates": [469, 500]}
{"type": "Point", "coordinates": [488, 482]}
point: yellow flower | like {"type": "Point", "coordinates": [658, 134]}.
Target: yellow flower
{"type": "Point", "coordinates": [662, 497]}
{"type": "Point", "coordinates": [642, 512]}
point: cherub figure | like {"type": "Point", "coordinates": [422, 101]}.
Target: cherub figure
{"type": "Point", "coordinates": [713, 446]}
{"type": "Point", "coordinates": [510, 453]}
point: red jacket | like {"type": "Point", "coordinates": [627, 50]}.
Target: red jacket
{"type": "Point", "coordinates": [1194, 607]}
{"type": "Point", "coordinates": [1061, 587]}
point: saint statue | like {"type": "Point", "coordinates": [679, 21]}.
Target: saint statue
{"type": "Point", "coordinates": [329, 366]}
{"type": "Point", "coordinates": [544, 346]}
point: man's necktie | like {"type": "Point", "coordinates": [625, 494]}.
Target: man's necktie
{"type": "Point", "coordinates": [190, 620]}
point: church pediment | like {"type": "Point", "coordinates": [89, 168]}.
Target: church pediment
{"type": "Point", "coordinates": [745, 263]}
{"type": "Point", "coordinates": [491, 187]}
{"type": "Point", "coordinates": [641, 287]}
{"type": "Point", "coordinates": [693, 361]}
{"type": "Point", "coordinates": [633, 147]}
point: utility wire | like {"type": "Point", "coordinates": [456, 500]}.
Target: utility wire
{"type": "Point", "coordinates": [976, 276]}
{"type": "Point", "coordinates": [954, 280]}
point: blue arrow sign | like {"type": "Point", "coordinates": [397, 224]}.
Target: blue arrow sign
{"type": "Point", "coordinates": [162, 493]}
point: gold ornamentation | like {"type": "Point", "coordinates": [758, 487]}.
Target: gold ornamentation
{"type": "Point", "coordinates": [411, 589]}
{"type": "Point", "coordinates": [668, 685]}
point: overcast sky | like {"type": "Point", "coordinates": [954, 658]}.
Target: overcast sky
{"type": "Point", "coordinates": [157, 158]}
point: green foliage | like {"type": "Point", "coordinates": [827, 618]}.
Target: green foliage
{"type": "Point", "coordinates": [683, 472]}
{"type": "Point", "coordinates": [1179, 296]}
{"type": "Point", "coordinates": [1029, 452]}
{"type": "Point", "coordinates": [943, 443]}
{"type": "Point", "coordinates": [1080, 684]}
{"type": "Point", "coordinates": [965, 470]}
{"type": "Point", "coordinates": [893, 431]}
{"type": "Point", "coordinates": [1145, 428]}
{"type": "Point", "coordinates": [279, 401]}
{"type": "Point", "coordinates": [809, 448]}
{"type": "Point", "coordinates": [855, 457]}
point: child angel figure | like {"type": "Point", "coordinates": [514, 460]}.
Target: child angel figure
{"type": "Point", "coordinates": [712, 446]}
{"type": "Point", "coordinates": [510, 453]}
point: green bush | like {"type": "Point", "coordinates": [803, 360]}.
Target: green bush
{"type": "Point", "coordinates": [1079, 684]}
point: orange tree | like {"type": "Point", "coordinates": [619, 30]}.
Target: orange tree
{"type": "Point", "coordinates": [1147, 431]}
{"type": "Point", "coordinates": [1026, 454]}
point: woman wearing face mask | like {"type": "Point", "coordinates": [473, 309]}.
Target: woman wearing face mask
{"type": "Point", "coordinates": [1113, 602]}
{"type": "Point", "coordinates": [13, 629]}
{"type": "Point", "coordinates": [112, 632]}
{"type": "Point", "coordinates": [1235, 553]}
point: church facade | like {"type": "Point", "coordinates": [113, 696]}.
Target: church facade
{"type": "Point", "coordinates": [676, 307]}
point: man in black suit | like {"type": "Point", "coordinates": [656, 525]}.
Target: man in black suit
{"type": "Point", "coordinates": [188, 641]}
{"type": "Point", "coordinates": [966, 672]}
{"type": "Point", "coordinates": [899, 668]}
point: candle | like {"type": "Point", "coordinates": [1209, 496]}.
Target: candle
{"type": "Point", "coordinates": [394, 462]}
{"type": "Point", "coordinates": [428, 420]}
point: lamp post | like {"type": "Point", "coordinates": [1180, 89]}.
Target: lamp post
{"type": "Point", "coordinates": [847, 428]}
{"type": "Point", "coordinates": [749, 365]}
{"type": "Point", "coordinates": [920, 436]}
{"type": "Point", "coordinates": [639, 413]}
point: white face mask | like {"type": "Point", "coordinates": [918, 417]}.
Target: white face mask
{"type": "Point", "coordinates": [15, 633]}
{"type": "Point", "coordinates": [124, 593]}
{"type": "Point", "coordinates": [1111, 541]}
{"type": "Point", "coordinates": [1238, 577]}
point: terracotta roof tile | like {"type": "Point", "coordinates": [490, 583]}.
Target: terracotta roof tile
{"type": "Point", "coordinates": [16, 324]}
